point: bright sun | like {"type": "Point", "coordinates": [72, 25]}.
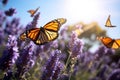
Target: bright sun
{"type": "Point", "coordinates": [85, 10]}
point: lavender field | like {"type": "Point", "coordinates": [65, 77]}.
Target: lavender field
{"type": "Point", "coordinates": [75, 55]}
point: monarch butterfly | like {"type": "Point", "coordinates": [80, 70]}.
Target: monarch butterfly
{"type": "Point", "coordinates": [45, 34]}
{"type": "Point", "coordinates": [32, 12]}
{"type": "Point", "coordinates": [108, 23]}
{"type": "Point", "coordinates": [109, 42]}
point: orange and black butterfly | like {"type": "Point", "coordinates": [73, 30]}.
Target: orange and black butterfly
{"type": "Point", "coordinates": [108, 22]}
{"type": "Point", "coordinates": [32, 12]}
{"type": "Point", "coordinates": [109, 42]}
{"type": "Point", "coordinates": [45, 34]}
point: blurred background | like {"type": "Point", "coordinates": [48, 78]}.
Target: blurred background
{"type": "Point", "coordinates": [74, 11]}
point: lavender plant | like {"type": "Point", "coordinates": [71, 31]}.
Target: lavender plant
{"type": "Point", "coordinates": [9, 57]}
{"type": "Point", "coordinates": [25, 61]}
{"type": "Point", "coordinates": [53, 67]}
{"type": "Point", "coordinates": [66, 58]}
{"type": "Point", "coordinates": [115, 75]}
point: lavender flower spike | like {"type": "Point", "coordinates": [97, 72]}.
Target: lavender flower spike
{"type": "Point", "coordinates": [25, 61]}
{"type": "Point", "coordinates": [10, 54]}
{"type": "Point", "coordinates": [115, 75]}
{"type": "Point", "coordinates": [53, 67]}
{"type": "Point", "coordinates": [75, 46]}
{"type": "Point", "coordinates": [4, 2]}
{"type": "Point", "coordinates": [35, 20]}
{"type": "Point", "coordinates": [9, 57]}
{"type": "Point", "coordinates": [10, 12]}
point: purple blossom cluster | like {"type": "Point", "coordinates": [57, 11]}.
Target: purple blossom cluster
{"type": "Point", "coordinates": [9, 57]}
{"type": "Point", "coordinates": [10, 12]}
{"type": "Point", "coordinates": [25, 61]}
{"type": "Point", "coordinates": [4, 2]}
{"type": "Point", "coordinates": [12, 27]}
{"type": "Point", "coordinates": [53, 67]}
{"type": "Point", "coordinates": [10, 54]}
{"type": "Point", "coordinates": [75, 45]}
{"type": "Point", "coordinates": [66, 58]}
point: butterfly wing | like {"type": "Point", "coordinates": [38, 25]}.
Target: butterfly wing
{"type": "Point", "coordinates": [54, 25]}
{"type": "Point", "coordinates": [116, 44]}
{"type": "Point", "coordinates": [51, 35]}
{"type": "Point", "coordinates": [45, 37]}
{"type": "Point", "coordinates": [37, 36]}
{"type": "Point", "coordinates": [106, 41]}
{"type": "Point", "coordinates": [40, 36]}
{"type": "Point", "coordinates": [23, 36]}
{"type": "Point", "coordinates": [49, 32]}
{"type": "Point", "coordinates": [33, 33]}
{"type": "Point", "coordinates": [32, 12]}
{"type": "Point", "coordinates": [45, 34]}
{"type": "Point", "coordinates": [108, 22]}
{"type": "Point", "coordinates": [110, 43]}
{"type": "Point", "coordinates": [51, 28]}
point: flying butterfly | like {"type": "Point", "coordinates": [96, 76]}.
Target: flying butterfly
{"type": "Point", "coordinates": [45, 34]}
{"type": "Point", "coordinates": [108, 22]}
{"type": "Point", "coordinates": [32, 12]}
{"type": "Point", "coordinates": [109, 42]}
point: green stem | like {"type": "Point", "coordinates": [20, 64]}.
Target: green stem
{"type": "Point", "coordinates": [70, 76]}
{"type": "Point", "coordinates": [67, 62]}
{"type": "Point", "coordinates": [68, 59]}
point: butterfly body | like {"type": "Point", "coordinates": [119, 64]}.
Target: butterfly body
{"type": "Point", "coordinates": [45, 34]}
{"type": "Point", "coordinates": [109, 42]}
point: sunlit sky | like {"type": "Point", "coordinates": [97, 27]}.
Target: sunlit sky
{"type": "Point", "coordinates": [73, 10]}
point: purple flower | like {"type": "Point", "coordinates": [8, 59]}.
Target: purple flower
{"type": "Point", "coordinates": [10, 12]}
{"type": "Point", "coordinates": [43, 51]}
{"type": "Point", "coordinates": [8, 76]}
{"type": "Point", "coordinates": [78, 29]}
{"type": "Point", "coordinates": [115, 75]}
{"type": "Point", "coordinates": [78, 26]}
{"type": "Point", "coordinates": [4, 2]}
{"type": "Point", "coordinates": [10, 54]}
{"type": "Point", "coordinates": [25, 61]}
{"type": "Point", "coordinates": [63, 32]}
{"type": "Point", "coordinates": [101, 73]}
{"type": "Point", "coordinates": [73, 38]}
{"type": "Point", "coordinates": [12, 27]}
{"type": "Point", "coordinates": [54, 44]}
{"type": "Point", "coordinates": [59, 67]}
{"type": "Point", "coordinates": [102, 51]}
{"type": "Point", "coordinates": [15, 22]}
{"type": "Point", "coordinates": [33, 24]}
{"type": "Point", "coordinates": [29, 26]}
{"type": "Point", "coordinates": [114, 65]}
{"type": "Point", "coordinates": [64, 77]}
{"type": "Point", "coordinates": [86, 59]}
{"type": "Point", "coordinates": [35, 19]}
{"type": "Point", "coordinates": [75, 46]}
{"type": "Point", "coordinates": [2, 18]}
{"type": "Point", "coordinates": [1, 35]}
{"type": "Point", "coordinates": [52, 68]}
